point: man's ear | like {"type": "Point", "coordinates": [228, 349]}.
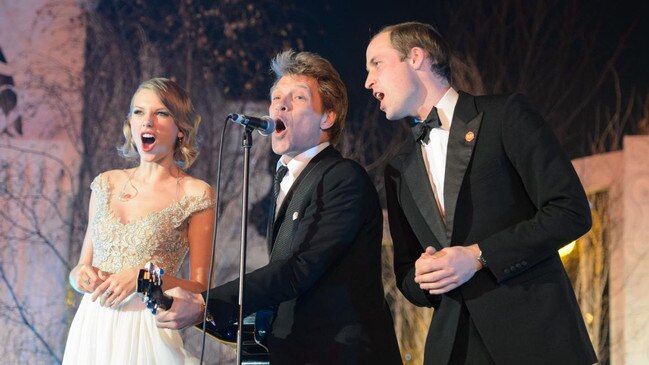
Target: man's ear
{"type": "Point", "coordinates": [417, 57]}
{"type": "Point", "coordinates": [327, 121]}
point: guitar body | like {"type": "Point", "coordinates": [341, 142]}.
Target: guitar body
{"type": "Point", "coordinates": [253, 347]}
{"type": "Point", "coordinates": [253, 331]}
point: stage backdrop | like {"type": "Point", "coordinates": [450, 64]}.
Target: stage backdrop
{"type": "Point", "coordinates": [59, 125]}
{"type": "Point", "coordinates": [67, 71]}
{"type": "Point", "coordinates": [41, 62]}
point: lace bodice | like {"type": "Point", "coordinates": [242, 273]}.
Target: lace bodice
{"type": "Point", "coordinates": [159, 237]}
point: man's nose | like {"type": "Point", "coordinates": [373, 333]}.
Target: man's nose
{"type": "Point", "coordinates": [281, 105]}
{"type": "Point", "coordinates": [369, 81]}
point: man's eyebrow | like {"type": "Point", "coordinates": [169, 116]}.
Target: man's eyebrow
{"type": "Point", "coordinates": [304, 87]}
{"type": "Point", "coordinates": [371, 61]}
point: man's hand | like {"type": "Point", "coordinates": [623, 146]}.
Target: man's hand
{"type": "Point", "coordinates": [423, 263]}
{"type": "Point", "coordinates": [186, 310]}
{"type": "Point", "coordinates": [442, 271]}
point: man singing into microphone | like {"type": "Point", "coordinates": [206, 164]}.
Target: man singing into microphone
{"type": "Point", "coordinates": [324, 275]}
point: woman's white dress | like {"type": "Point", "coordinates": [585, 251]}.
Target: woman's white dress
{"type": "Point", "coordinates": [128, 334]}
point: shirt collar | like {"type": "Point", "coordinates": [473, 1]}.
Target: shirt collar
{"type": "Point", "coordinates": [298, 163]}
{"type": "Point", "coordinates": [445, 108]}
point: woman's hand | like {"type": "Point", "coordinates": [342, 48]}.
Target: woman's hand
{"type": "Point", "coordinates": [115, 287]}
{"type": "Point", "coordinates": [85, 278]}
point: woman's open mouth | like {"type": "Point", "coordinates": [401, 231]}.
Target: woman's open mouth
{"type": "Point", "coordinates": [148, 140]}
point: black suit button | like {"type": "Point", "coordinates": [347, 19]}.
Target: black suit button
{"type": "Point", "coordinates": [513, 268]}
{"type": "Point", "coordinates": [518, 265]}
{"type": "Point", "coordinates": [506, 271]}
{"type": "Point", "coordinates": [524, 263]}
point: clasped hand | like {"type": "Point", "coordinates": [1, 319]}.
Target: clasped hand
{"type": "Point", "coordinates": [439, 272]}
{"type": "Point", "coordinates": [115, 287]}
{"type": "Point", "coordinates": [85, 278]}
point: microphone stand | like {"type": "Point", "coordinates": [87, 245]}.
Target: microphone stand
{"type": "Point", "coordinates": [246, 144]}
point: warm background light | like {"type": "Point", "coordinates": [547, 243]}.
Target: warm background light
{"type": "Point", "coordinates": [567, 249]}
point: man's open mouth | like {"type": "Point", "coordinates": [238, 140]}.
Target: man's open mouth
{"type": "Point", "coordinates": [279, 126]}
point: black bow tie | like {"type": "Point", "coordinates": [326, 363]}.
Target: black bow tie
{"type": "Point", "coordinates": [421, 131]}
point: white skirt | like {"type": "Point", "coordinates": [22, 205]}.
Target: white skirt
{"type": "Point", "coordinates": [123, 335]}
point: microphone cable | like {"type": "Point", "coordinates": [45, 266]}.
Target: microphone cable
{"type": "Point", "coordinates": [216, 224]}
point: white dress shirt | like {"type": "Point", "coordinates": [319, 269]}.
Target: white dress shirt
{"type": "Point", "coordinates": [434, 152]}
{"type": "Point", "coordinates": [295, 167]}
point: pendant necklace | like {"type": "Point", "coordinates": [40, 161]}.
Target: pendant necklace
{"type": "Point", "coordinates": [124, 197]}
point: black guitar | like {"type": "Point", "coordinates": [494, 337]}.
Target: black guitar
{"type": "Point", "coordinates": [253, 331]}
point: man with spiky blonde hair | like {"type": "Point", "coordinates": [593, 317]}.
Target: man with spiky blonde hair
{"type": "Point", "coordinates": [324, 277]}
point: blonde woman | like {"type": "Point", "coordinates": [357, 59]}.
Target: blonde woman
{"type": "Point", "coordinates": [153, 212]}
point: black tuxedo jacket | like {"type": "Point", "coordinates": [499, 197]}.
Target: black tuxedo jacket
{"type": "Point", "coordinates": [510, 188]}
{"type": "Point", "coordinates": [326, 283]}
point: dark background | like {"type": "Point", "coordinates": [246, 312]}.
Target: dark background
{"type": "Point", "coordinates": [615, 34]}
{"type": "Point", "coordinates": [582, 62]}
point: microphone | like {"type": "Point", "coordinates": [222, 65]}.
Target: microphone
{"type": "Point", "coordinates": [264, 125]}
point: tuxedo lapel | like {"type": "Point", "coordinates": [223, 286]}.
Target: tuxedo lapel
{"type": "Point", "coordinates": [281, 212]}
{"type": "Point", "coordinates": [417, 180]}
{"type": "Point", "coordinates": [462, 139]}
{"type": "Point", "coordinates": [280, 218]}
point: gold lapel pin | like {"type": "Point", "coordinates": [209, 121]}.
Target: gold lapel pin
{"type": "Point", "coordinates": [469, 136]}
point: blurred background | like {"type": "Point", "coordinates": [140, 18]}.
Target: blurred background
{"type": "Point", "coordinates": [69, 68]}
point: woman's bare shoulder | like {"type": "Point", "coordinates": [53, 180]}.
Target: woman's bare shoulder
{"type": "Point", "coordinates": [196, 187]}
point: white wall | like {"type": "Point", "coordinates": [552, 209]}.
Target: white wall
{"type": "Point", "coordinates": [42, 42]}
{"type": "Point", "coordinates": [625, 175]}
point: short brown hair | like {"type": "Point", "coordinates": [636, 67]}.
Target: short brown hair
{"type": "Point", "coordinates": [176, 99]}
{"type": "Point", "coordinates": [330, 86]}
{"type": "Point", "coordinates": [405, 36]}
